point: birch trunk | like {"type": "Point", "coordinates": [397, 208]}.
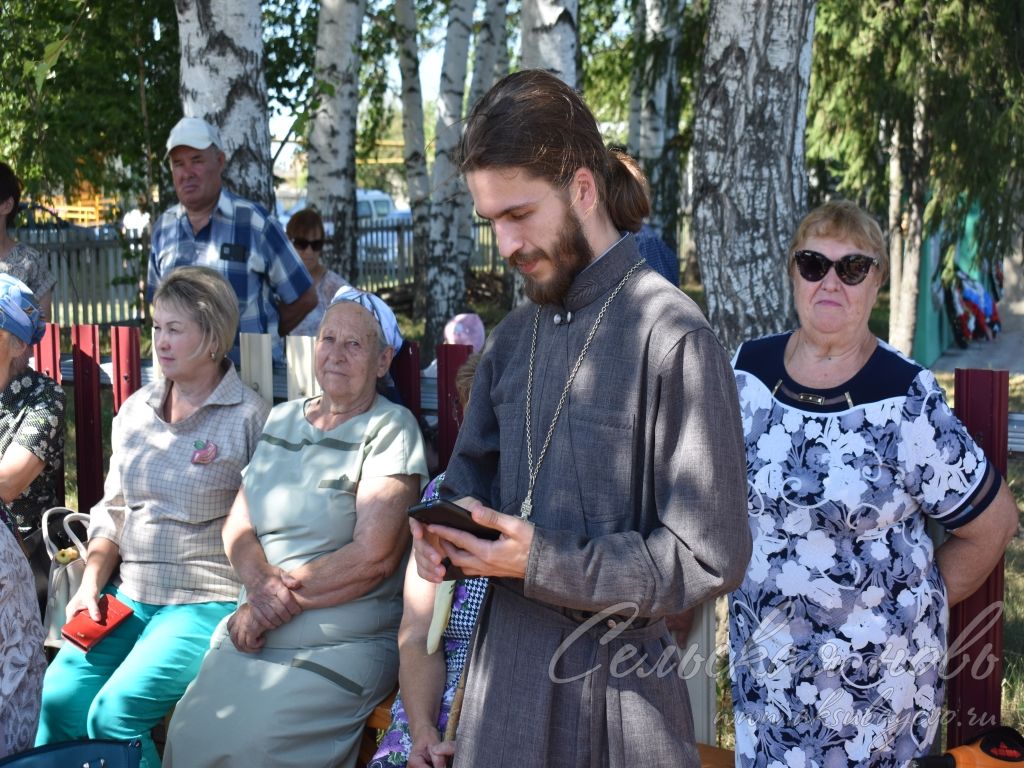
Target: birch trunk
{"type": "Point", "coordinates": [551, 37]}
{"type": "Point", "coordinates": [895, 228]}
{"type": "Point", "coordinates": [751, 186]}
{"type": "Point", "coordinates": [415, 153]}
{"type": "Point", "coordinates": [659, 118]}
{"type": "Point", "coordinates": [486, 55]}
{"type": "Point", "coordinates": [901, 335]}
{"type": "Point", "coordinates": [446, 268]}
{"type": "Point", "coordinates": [332, 134]}
{"type": "Point", "coordinates": [638, 76]}
{"type": "Point", "coordinates": [222, 81]}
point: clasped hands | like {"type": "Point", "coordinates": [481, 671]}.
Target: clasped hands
{"type": "Point", "coordinates": [507, 556]}
{"type": "Point", "coordinates": [270, 602]}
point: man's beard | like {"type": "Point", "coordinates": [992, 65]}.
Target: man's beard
{"type": "Point", "coordinates": [569, 256]}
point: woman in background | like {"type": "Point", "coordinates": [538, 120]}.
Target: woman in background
{"type": "Point", "coordinates": [17, 259]}
{"type": "Point", "coordinates": [306, 231]}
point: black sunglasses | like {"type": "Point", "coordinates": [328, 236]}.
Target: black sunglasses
{"type": "Point", "coordinates": [302, 244]}
{"type": "Point", "coordinates": [851, 269]}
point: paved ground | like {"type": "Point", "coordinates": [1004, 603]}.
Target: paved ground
{"type": "Point", "coordinates": [1006, 351]}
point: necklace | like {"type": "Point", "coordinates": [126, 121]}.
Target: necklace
{"type": "Point", "coordinates": [533, 470]}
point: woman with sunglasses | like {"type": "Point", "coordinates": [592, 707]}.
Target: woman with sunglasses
{"type": "Point", "coordinates": [306, 231]}
{"type": "Point", "coordinates": [839, 629]}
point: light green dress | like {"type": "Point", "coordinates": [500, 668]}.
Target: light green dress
{"type": "Point", "coordinates": [303, 699]}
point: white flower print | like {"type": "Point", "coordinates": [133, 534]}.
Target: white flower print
{"type": "Point", "coordinates": [835, 708]}
{"type": "Point", "coordinates": [872, 596]}
{"type": "Point", "coordinates": [834, 653]}
{"type": "Point", "coordinates": [797, 522]}
{"type": "Point", "coordinates": [879, 551]}
{"type": "Point", "coordinates": [816, 551]}
{"type": "Point", "coordinates": [865, 743]}
{"type": "Point", "coordinates": [795, 758]}
{"type": "Point", "coordinates": [863, 627]}
{"type": "Point", "coordinates": [812, 429]}
{"type": "Point", "coordinates": [746, 736]}
{"type": "Point", "coordinates": [765, 544]}
{"type": "Point", "coordinates": [845, 485]}
{"type": "Point", "coordinates": [774, 445]}
{"type": "Point", "coordinates": [807, 693]}
{"type": "Point", "coordinates": [793, 580]}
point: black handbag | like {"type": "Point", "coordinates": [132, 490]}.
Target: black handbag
{"type": "Point", "coordinates": [82, 753]}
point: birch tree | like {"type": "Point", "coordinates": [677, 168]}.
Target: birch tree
{"type": "Point", "coordinates": [488, 62]}
{"type": "Point", "coordinates": [446, 267]}
{"type": "Point", "coordinates": [660, 102]}
{"type": "Point", "coordinates": [414, 152]}
{"type": "Point", "coordinates": [919, 109]}
{"type": "Point", "coordinates": [222, 81]}
{"type": "Point", "coordinates": [550, 38]}
{"type": "Point", "coordinates": [332, 134]}
{"type": "Point", "coordinates": [750, 183]}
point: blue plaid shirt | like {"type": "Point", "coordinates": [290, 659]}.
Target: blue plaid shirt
{"type": "Point", "coordinates": [245, 245]}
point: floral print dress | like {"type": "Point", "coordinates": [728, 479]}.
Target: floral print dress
{"type": "Point", "coordinates": [32, 416]}
{"type": "Point", "coordinates": [839, 629]}
{"type": "Point", "coordinates": [396, 743]}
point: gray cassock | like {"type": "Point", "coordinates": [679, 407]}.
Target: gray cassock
{"type": "Point", "coordinates": [640, 506]}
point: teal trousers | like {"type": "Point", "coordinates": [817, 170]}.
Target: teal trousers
{"type": "Point", "coordinates": [130, 679]}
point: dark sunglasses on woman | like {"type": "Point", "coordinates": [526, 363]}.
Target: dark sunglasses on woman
{"type": "Point", "coordinates": [851, 269]}
{"type": "Point", "coordinates": [302, 244]}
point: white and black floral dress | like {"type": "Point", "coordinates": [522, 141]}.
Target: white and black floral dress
{"type": "Point", "coordinates": [838, 631]}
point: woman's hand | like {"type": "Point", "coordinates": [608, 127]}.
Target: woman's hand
{"type": "Point", "coordinates": [269, 595]}
{"type": "Point", "coordinates": [85, 599]}
{"type": "Point", "coordinates": [245, 630]}
{"type": "Point", "coordinates": [428, 751]}
{"type": "Point", "coordinates": [428, 551]}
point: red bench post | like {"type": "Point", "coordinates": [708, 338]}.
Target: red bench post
{"type": "Point", "coordinates": [127, 363]}
{"type": "Point", "coordinates": [85, 351]}
{"type": "Point", "coordinates": [449, 410]}
{"type": "Point", "coordinates": [405, 369]}
{"type": "Point", "coordinates": [47, 352]}
{"type": "Point", "coordinates": [974, 693]}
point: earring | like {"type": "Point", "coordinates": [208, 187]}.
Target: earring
{"type": "Point", "coordinates": [213, 355]}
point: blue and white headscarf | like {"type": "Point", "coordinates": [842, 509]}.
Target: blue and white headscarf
{"type": "Point", "coordinates": [378, 308]}
{"type": "Point", "coordinates": [19, 311]}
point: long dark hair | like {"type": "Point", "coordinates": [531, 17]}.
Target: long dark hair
{"type": "Point", "coordinates": [534, 121]}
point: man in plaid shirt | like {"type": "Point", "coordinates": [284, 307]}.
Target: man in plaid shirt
{"type": "Point", "coordinates": [213, 227]}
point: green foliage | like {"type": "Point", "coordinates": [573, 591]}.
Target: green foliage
{"type": "Point", "coordinates": [965, 62]}
{"type": "Point", "coordinates": [90, 92]}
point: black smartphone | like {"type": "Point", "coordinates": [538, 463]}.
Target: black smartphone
{"type": "Point", "coordinates": [443, 512]}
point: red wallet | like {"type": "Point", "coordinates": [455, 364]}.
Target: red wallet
{"type": "Point", "coordinates": [85, 633]}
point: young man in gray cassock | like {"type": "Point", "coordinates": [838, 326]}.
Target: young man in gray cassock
{"type": "Point", "coordinates": [602, 439]}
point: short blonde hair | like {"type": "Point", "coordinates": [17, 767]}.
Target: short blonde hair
{"type": "Point", "coordinates": [843, 220]}
{"type": "Point", "coordinates": [207, 298]}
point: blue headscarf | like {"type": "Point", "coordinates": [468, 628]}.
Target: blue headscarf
{"type": "Point", "coordinates": [19, 311]}
{"type": "Point", "coordinates": [378, 308]}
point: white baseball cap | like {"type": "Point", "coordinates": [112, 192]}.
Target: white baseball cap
{"type": "Point", "coordinates": [193, 132]}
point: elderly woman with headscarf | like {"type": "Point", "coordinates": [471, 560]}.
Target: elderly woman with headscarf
{"type": "Point", "coordinates": [31, 416]}
{"type": "Point", "coordinates": [318, 536]}
{"type": "Point", "coordinates": [31, 448]}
